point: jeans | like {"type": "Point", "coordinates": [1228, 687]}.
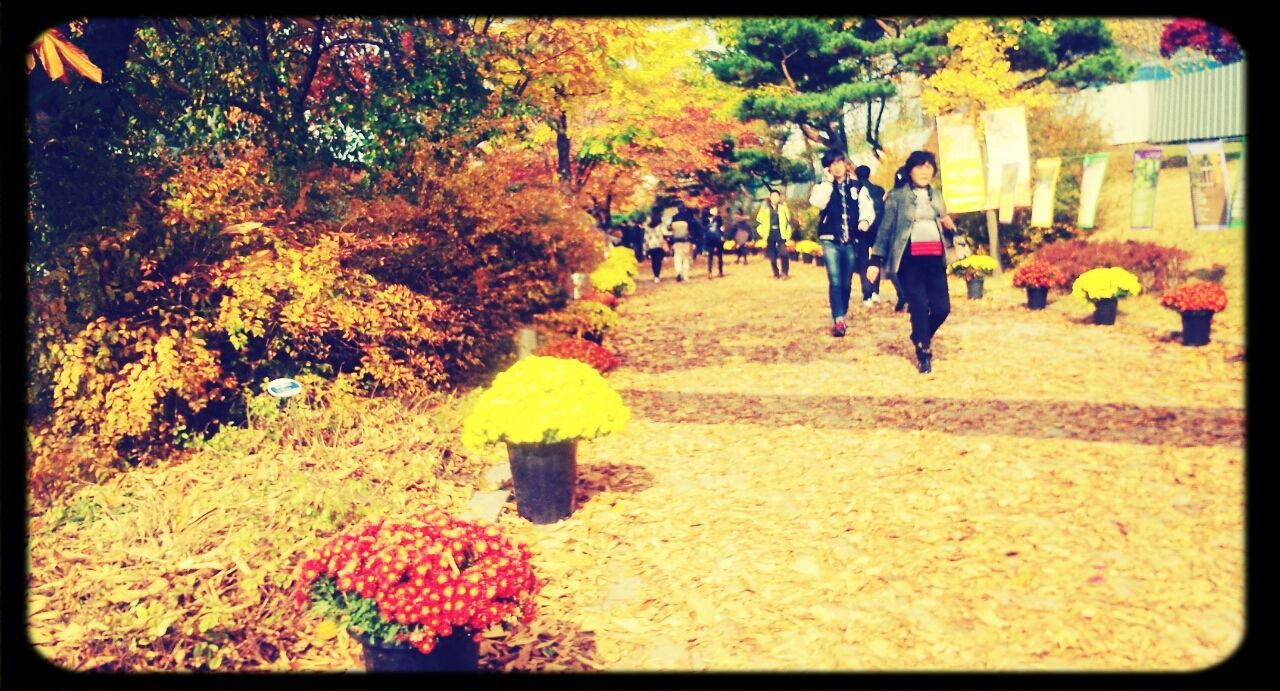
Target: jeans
{"type": "Point", "coordinates": [840, 263]}
{"type": "Point", "coordinates": [715, 250]}
{"type": "Point", "coordinates": [655, 258]}
{"type": "Point", "coordinates": [778, 248]}
{"type": "Point", "coordinates": [924, 282]}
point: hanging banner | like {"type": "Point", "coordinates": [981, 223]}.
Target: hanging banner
{"type": "Point", "coordinates": [1236, 217]}
{"type": "Point", "coordinates": [1005, 130]}
{"type": "Point", "coordinates": [1146, 171]}
{"type": "Point", "coordinates": [963, 186]}
{"type": "Point", "coordinates": [1008, 181]}
{"type": "Point", "coordinates": [1095, 168]}
{"type": "Point", "coordinates": [1042, 201]}
{"type": "Point", "coordinates": [1207, 163]}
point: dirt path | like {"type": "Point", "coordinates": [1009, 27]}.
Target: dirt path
{"type": "Point", "coordinates": [1056, 495]}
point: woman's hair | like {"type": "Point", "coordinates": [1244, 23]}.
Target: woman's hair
{"type": "Point", "coordinates": [655, 216]}
{"type": "Point", "coordinates": [918, 158]}
{"type": "Point", "coordinates": [900, 177]}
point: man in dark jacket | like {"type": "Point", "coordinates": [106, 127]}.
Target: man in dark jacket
{"type": "Point", "coordinates": [870, 291]}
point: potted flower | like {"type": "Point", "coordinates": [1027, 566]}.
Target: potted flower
{"type": "Point", "coordinates": [1103, 287]}
{"type": "Point", "coordinates": [790, 248]}
{"type": "Point", "coordinates": [613, 279]}
{"type": "Point", "coordinates": [582, 318]}
{"type": "Point", "coordinates": [807, 250]}
{"type": "Point", "coordinates": [973, 268]}
{"type": "Point", "coordinates": [541, 407]}
{"type": "Point", "coordinates": [1197, 303]}
{"type": "Point", "coordinates": [417, 593]}
{"type": "Point", "coordinates": [759, 246]}
{"type": "Point", "coordinates": [582, 350]}
{"type": "Point", "coordinates": [1038, 276]}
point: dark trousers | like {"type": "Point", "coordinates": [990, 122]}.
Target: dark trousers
{"type": "Point", "coordinates": [639, 249]}
{"type": "Point", "coordinates": [924, 281]}
{"type": "Point", "coordinates": [741, 249]}
{"type": "Point", "coordinates": [655, 258]}
{"type": "Point", "coordinates": [840, 264]}
{"type": "Point", "coordinates": [778, 248]}
{"type": "Point", "coordinates": [715, 250]}
{"type": "Point", "coordinates": [861, 253]}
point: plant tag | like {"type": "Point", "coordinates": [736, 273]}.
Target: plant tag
{"type": "Point", "coordinates": [284, 387]}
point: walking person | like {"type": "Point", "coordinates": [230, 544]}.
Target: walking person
{"type": "Point", "coordinates": [696, 231]}
{"type": "Point", "coordinates": [913, 236]}
{"type": "Point", "coordinates": [713, 238]}
{"type": "Point", "coordinates": [741, 238]}
{"type": "Point", "coordinates": [635, 239]}
{"type": "Point", "coordinates": [682, 242]}
{"type": "Point", "coordinates": [655, 242]}
{"type": "Point", "coordinates": [845, 214]}
{"type": "Point", "coordinates": [870, 289]}
{"type": "Point", "coordinates": [773, 221]}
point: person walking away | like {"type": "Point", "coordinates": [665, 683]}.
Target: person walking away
{"type": "Point", "coordinates": [773, 221]}
{"type": "Point", "coordinates": [655, 242]}
{"type": "Point", "coordinates": [696, 231]}
{"type": "Point", "coordinates": [713, 238]}
{"type": "Point", "coordinates": [862, 246]}
{"type": "Point", "coordinates": [635, 239]}
{"type": "Point", "coordinates": [681, 242]}
{"type": "Point", "coordinates": [912, 240]}
{"type": "Point", "coordinates": [845, 212]}
{"type": "Point", "coordinates": [741, 238]}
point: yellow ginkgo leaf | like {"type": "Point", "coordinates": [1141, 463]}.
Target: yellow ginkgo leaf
{"type": "Point", "coordinates": [327, 630]}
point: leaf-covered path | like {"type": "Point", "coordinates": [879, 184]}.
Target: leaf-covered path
{"type": "Point", "coordinates": [1056, 495]}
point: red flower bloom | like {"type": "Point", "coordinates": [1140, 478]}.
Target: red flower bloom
{"type": "Point", "coordinates": [1038, 273]}
{"type": "Point", "coordinates": [1196, 297]}
{"type": "Point", "coordinates": [607, 299]}
{"type": "Point", "coordinates": [583, 350]}
{"type": "Point", "coordinates": [424, 576]}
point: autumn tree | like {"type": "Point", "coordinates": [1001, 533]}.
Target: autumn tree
{"type": "Point", "coordinates": [1197, 34]}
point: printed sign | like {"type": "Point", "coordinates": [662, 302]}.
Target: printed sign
{"type": "Point", "coordinates": [1207, 165]}
{"type": "Point", "coordinates": [1005, 130]}
{"type": "Point", "coordinates": [1042, 201]}
{"type": "Point", "coordinates": [963, 184]}
{"type": "Point", "coordinates": [1146, 172]}
{"type": "Point", "coordinates": [1009, 181]}
{"type": "Point", "coordinates": [1095, 168]}
{"type": "Point", "coordinates": [284, 387]}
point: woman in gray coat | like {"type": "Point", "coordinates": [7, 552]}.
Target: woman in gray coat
{"type": "Point", "coordinates": [911, 245]}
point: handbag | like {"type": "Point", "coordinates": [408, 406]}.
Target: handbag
{"type": "Point", "coordinates": [955, 250]}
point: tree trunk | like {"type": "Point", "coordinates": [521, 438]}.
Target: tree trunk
{"type": "Point", "coordinates": [563, 167]}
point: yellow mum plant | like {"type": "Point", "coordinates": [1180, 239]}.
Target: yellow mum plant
{"type": "Point", "coordinates": [973, 266]}
{"type": "Point", "coordinates": [623, 259]}
{"type": "Point", "coordinates": [1100, 284]}
{"type": "Point", "coordinates": [808, 247]}
{"type": "Point", "coordinates": [544, 400]}
{"type": "Point", "coordinates": [612, 279]}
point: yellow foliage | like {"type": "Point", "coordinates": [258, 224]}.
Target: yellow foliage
{"type": "Point", "coordinates": [977, 76]}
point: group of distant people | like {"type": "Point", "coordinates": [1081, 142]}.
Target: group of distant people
{"type": "Point", "coordinates": [862, 229]}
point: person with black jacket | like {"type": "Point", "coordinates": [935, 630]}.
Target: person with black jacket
{"type": "Point", "coordinates": [845, 213]}
{"type": "Point", "coordinates": [870, 290]}
{"type": "Point", "coordinates": [741, 239]}
{"type": "Point", "coordinates": [713, 238]}
{"type": "Point", "coordinates": [912, 244]}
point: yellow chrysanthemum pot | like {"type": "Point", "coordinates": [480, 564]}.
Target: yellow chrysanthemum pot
{"type": "Point", "coordinates": [540, 408]}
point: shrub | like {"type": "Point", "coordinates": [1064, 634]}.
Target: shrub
{"type": "Point", "coordinates": [1156, 266]}
{"type": "Point", "coordinates": [1038, 274]}
{"type": "Point", "coordinates": [581, 319]}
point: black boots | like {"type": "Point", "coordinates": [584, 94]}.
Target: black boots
{"type": "Point", "coordinates": [924, 357]}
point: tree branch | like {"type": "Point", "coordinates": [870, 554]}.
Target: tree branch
{"type": "Point", "coordinates": [787, 73]}
{"type": "Point", "coordinates": [313, 66]}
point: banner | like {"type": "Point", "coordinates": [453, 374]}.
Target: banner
{"type": "Point", "coordinates": [1005, 130]}
{"type": "Point", "coordinates": [1207, 163]}
{"type": "Point", "coordinates": [1236, 218]}
{"type": "Point", "coordinates": [963, 187]}
{"type": "Point", "coordinates": [1008, 181]}
{"type": "Point", "coordinates": [1095, 168]}
{"type": "Point", "coordinates": [1146, 171]}
{"type": "Point", "coordinates": [1042, 201]}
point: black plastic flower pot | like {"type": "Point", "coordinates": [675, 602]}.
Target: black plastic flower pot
{"type": "Point", "coordinates": [793, 256]}
{"type": "Point", "coordinates": [1104, 311]}
{"type": "Point", "coordinates": [806, 258]}
{"type": "Point", "coordinates": [456, 652]}
{"type": "Point", "coordinates": [1037, 297]}
{"type": "Point", "coordinates": [544, 476]}
{"type": "Point", "coordinates": [975, 288]}
{"type": "Point", "coordinates": [1195, 327]}
{"type": "Point", "coordinates": [596, 338]}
